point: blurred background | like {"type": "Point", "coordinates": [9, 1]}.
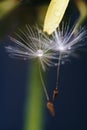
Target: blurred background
{"type": "Point", "coordinates": [71, 104]}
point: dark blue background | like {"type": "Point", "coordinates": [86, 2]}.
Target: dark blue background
{"type": "Point", "coordinates": [70, 106]}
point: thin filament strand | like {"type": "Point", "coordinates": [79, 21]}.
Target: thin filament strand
{"type": "Point", "coordinates": [58, 70]}
{"type": "Point", "coordinates": [43, 84]}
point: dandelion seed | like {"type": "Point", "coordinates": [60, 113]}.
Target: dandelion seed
{"type": "Point", "coordinates": [33, 44]}
{"type": "Point", "coordinates": [65, 44]}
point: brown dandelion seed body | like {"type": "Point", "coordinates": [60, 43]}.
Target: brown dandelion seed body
{"type": "Point", "coordinates": [55, 93]}
{"type": "Point", "coordinates": [50, 107]}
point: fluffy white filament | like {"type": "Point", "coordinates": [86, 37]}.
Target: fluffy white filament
{"type": "Point", "coordinates": [32, 43]}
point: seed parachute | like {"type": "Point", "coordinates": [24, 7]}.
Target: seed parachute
{"type": "Point", "coordinates": [33, 43]}
{"type": "Point", "coordinates": [66, 42]}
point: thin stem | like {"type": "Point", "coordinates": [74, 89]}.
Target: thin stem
{"type": "Point", "coordinates": [43, 84]}
{"type": "Point", "coordinates": [58, 71]}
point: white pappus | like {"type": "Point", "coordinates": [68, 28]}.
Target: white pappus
{"type": "Point", "coordinates": [66, 42]}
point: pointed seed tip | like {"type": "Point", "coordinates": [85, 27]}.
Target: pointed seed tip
{"type": "Point", "coordinates": [55, 93]}
{"type": "Point", "coordinates": [50, 107]}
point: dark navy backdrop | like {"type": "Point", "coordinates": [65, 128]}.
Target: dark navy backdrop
{"type": "Point", "coordinates": [70, 106]}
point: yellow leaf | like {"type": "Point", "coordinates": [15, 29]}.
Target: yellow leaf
{"type": "Point", "coordinates": [54, 15]}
